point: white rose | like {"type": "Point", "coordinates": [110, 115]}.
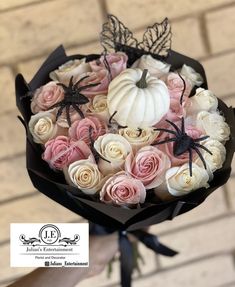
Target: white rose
{"type": "Point", "coordinates": [155, 67]}
{"type": "Point", "coordinates": [98, 107]}
{"type": "Point", "coordinates": [139, 139]}
{"type": "Point", "coordinates": [203, 100]}
{"type": "Point", "coordinates": [191, 75]}
{"type": "Point", "coordinates": [85, 175]}
{"type": "Point", "coordinates": [71, 68]}
{"type": "Point", "coordinates": [215, 160]}
{"type": "Point", "coordinates": [179, 182]}
{"type": "Point", "coordinates": [114, 149]}
{"type": "Point", "coordinates": [214, 125]}
{"type": "Point", "coordinates": [43, 127]}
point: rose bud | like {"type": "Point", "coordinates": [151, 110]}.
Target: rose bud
{"type": "Point", "coordinates": [215, 160]}
{"type": "Point", "coordinates": [98, 107]}
{"type": "Point", "coordinates": [43, 127]}
{"type": "Point", "coordinates": [148, 165]}
{"type": "Point", "coordinates": [139, 139]}
{"type": "Point", "coordinates": [123, 190]}
{"type": "Point", "coordinates": [113, 150]}
{"type": "Point", "coordinates": [203, 100]}
{"type": "Point", "coordinates": [115, 61]}
{"type": "Point", "coordinates": [191, 75]}
{"type": "Point", "coordinates": [62, 151]}
{"type": "Point", "coordinates": [82, 129]}
{"type": "Point", "coordinates": [46, 96]}
{"type": "Point", "coordinates": [179, 182]}
{"type": "Point", "coordinates": [85, 175]}
{"type": "Point", "coordinates": [213, 125]}
{"type": "Point", "coordinates": [72, 68]}
{"type": "Point", "coordinates": [155, 67]}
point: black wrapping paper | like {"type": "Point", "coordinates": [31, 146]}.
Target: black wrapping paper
{"type": "Point", "coordinates": [53, 184]}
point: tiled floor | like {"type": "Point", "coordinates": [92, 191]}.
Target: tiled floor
{"type": "Point", "coordinates": [29, 30]}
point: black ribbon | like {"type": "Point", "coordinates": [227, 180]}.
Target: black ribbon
{"type": "Point", "coordinates": [126, 252]}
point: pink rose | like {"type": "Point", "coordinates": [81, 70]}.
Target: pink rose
{"type": "Point", "coordinates": [101, 77]}
{"type": "Point", "coordinates": [116, 61]}
{"type": "Point", "coordinates": [149, 165]}
{"type": "Point", "coordinates": [123, 190]}
{"type": "Point", "coordinates": [176, 110]}
{"type": "Point", "coordinates": [80, 129]}
{"type": "Point", "coordinates": [175, 86]}
{"type": "Point", "coordinates": [167, 148]}
{"type": "Point", "coordinates": [46, 96]}
{"type": "Point", "coordinates": [62, 151]}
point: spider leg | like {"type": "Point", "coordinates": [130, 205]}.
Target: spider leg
{"type": "Point", "coordinates": [110, 119]}
{"type": "Point", "coordinates": [203, 147]}
{"type": "Point", "coordinates": [94, 151]}
{"type": "Point", "coordinates": [165, 141]}
{"type": "Point", "coordinates": [59, 112]}
{"type": "Point", "coordinates": [106, 64]}
{"type": "Point", "coordinates": [80, 80]}
{"type": "Point", "coordinates": [200, 155]}
{"type": "Point", "coordinates": [122, 127]}
{"type": "Point", "coordinates": [201, 139]}
{"type": "Point", "coordinates": [174, 125]}
{"type": "Point", "coordinates": [182, 95]}
{"type": "Point", "coordinates": [166, 130]}
{"type": "Point", "coordinates": [190, 162]}
{"type": "Point", "coordinates": [68, 115]}
{"type": "Point", "coordinates": [140, 132]}
{"type": "Point", "coordinates": [77, 109]}
{"type": "Point", "coordinates": [59, 104]}
{"type": "Point", "coordinates": [62, 85]}
{"type": "Point", "coordinates": [182, 125]}
{"type": "Point", "coordinates": [87, 86]}
{"type": "Point", "coordinates": [71, 82]}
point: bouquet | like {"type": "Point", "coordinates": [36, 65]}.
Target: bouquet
{"type": "Point", "coordinates": [128, 138]}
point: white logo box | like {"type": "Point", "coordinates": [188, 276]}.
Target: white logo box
{"type": "Point", "coordinates": [49, 244]}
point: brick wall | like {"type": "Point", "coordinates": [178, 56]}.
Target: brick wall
{"type": "Point", "coordinates": [29, 30]}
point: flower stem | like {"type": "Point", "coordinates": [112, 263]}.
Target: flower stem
{"type": "Point", "coordinates": [142, 84]}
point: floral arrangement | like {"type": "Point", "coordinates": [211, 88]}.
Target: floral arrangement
{"type": "Point", "coordinates": [121, 131]}
{"type": "Point", "coordinates": [128, 138]}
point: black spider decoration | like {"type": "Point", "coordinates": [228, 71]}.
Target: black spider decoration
{"type": "Point", "coordinates": [96, 155]}
{"type": "Point", "coordinates": [72, 97]}
{"type": "Point", "coordinates": [184, 143]}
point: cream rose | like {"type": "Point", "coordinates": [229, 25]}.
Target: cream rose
{"type": "Point", "coordinates": [155, 67]}
{"type": "Point", "coordinates": [191, 75]}
{"type": "Point", "coordinates": [179, 182]}
{"type": "Point", "coordinates": [203, 100]}
{"type": "Point", "coordinates": [113, 149]}
{"type": "Point", "coordinates": [138, 139]}
{"type": "Point", "coordinates": [43, 127]}
{"type": "Point", "coordinates": [71, 68]}
{"type": "Point", "coordinates": [98, 107]}
{"type": "Point", "coordinates": [215, 160]}
{"type": "Point", "coordinates": [85, 175]}
{"type": "Point", "coordinates": [213, 125]}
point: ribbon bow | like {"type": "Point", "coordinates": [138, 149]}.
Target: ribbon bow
{"type": "Point", "coordinates": [126, 257]}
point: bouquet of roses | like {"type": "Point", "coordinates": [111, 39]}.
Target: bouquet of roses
{"type": "Point", "coordinates": [128, 138]}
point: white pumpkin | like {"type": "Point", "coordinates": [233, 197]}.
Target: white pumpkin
{"type": "Point", "coordinates": [138, 99]}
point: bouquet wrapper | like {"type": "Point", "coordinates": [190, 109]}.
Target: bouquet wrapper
{"type": "Point", "coordinates": [105, 218]}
